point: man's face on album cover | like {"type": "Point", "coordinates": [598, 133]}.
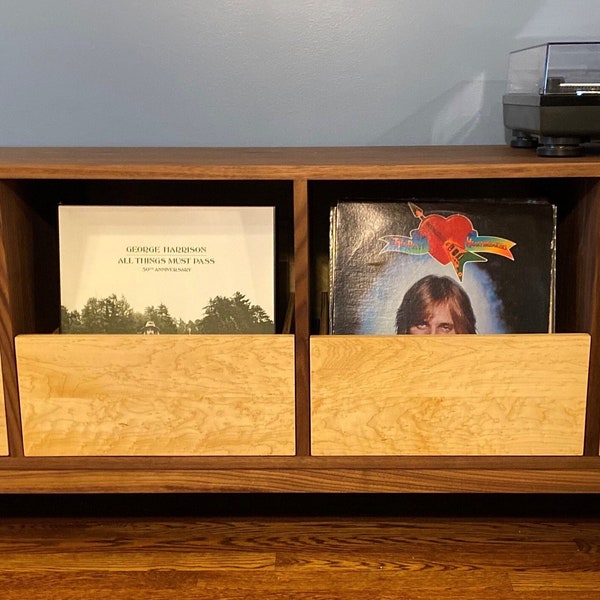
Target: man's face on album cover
{"type": "Point", "coordinates": [438, 322]}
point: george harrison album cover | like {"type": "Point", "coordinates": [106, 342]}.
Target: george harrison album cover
{"type": "Point", "coordinates": [424, 267]}
{"type": "Point", "coordinates": [167, 269]}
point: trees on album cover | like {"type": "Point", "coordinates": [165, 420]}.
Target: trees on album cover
{"type": "Point", "coordinates": [234, 314]}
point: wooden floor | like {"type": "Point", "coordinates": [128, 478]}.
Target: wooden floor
{"type": "Point", "coordinates": [304, 547]}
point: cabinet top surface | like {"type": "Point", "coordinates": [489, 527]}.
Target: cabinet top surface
{"type": "Point", "coordinates": [367, 162]}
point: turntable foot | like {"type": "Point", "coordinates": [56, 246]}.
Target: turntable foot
{"type": "Point", "coordinates": [560, 147]}
{"type": "Point", "coordinates": [521, 139]}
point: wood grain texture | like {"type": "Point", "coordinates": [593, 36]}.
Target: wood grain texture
{"type": "Point", "coordinates": [588, 309]}
{"type": "Point", "coordinates": [17, 312]}
{"type": "Point", "coordinates": [358, 557]}
{"type": "Point", "coordinates": [373, 162]}
{"type": "Point", "coordinates": [578, 287]}
{"type": "Point", "coordinates": [124, 395]}
{"type": "Point", "coordinates": [302, 316]}
{"type": "Point", "coordinates": [513, 394]}
{"type": "Point", "coordinates": [146, 479]}
{"type": "Point", "coordinates": [3, 429]}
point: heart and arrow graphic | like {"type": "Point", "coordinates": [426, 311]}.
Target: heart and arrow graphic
{"type": "Point", "coordinates": [449, 240]}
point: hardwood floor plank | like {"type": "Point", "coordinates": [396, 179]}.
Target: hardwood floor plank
{"type": "Point", "coordinates": [541, 580]}
{"type": "Point", "coordinates": [123, 560]}
{"type": "Point", "coordinates": [265, 586]}
{"type": "Point", "coordinates": [281, 532]}
{"type": "Point", "coordinates": [298, 557]}
{"type": "Point", "coordinates": [237, 585]}
{"type": "Point", "coordinates": [418, 555]}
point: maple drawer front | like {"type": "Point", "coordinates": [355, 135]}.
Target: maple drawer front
{"type": "Point", "coordinates": [157, 395]}
{"type": "Point", "coordinates": [449, 395]}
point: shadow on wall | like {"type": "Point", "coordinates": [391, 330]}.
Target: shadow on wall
{"type": "Point", "coordinates": [468, 113]}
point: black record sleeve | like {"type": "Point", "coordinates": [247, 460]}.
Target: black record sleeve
{"type": "Point", "coordinates": [500, 253]}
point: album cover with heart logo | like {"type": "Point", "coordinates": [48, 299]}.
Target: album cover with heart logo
{"type": "Point", "coordinates": [442, 267]}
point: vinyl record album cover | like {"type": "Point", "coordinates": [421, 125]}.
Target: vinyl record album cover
{"type": "Point", "coordinates": [472, 266]}
{"type": "Point", "coordinates": [159, 269]}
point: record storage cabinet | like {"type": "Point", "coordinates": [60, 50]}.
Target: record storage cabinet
{"type": "Point", "coordinates": [300, 410]}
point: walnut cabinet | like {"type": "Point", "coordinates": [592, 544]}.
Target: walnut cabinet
{"type": "Point", "coordinates": [297, 411]}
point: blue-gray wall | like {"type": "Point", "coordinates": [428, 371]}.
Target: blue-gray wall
{"type": "Point", "coordinates": [267, 72]}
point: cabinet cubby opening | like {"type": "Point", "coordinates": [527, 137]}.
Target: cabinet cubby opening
{"type": "Point", "coordinates": [575, 217]}
{"type": "Point", "coordinates": [40, 199]}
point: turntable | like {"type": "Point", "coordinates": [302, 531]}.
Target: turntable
{"type": "Point", "coordinates": [552, 99]}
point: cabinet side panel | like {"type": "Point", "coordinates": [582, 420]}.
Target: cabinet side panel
{"type": "Point", "coordinates": [578, 286]}
{"type": "Point", "coordinates": [17, 313]}
{"type": "Point", "coordinates": [449, 395]}
{"type": "Point", "coordinates": [160, 395]}
{"type": "Point", "coordinates": [3, 429]}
